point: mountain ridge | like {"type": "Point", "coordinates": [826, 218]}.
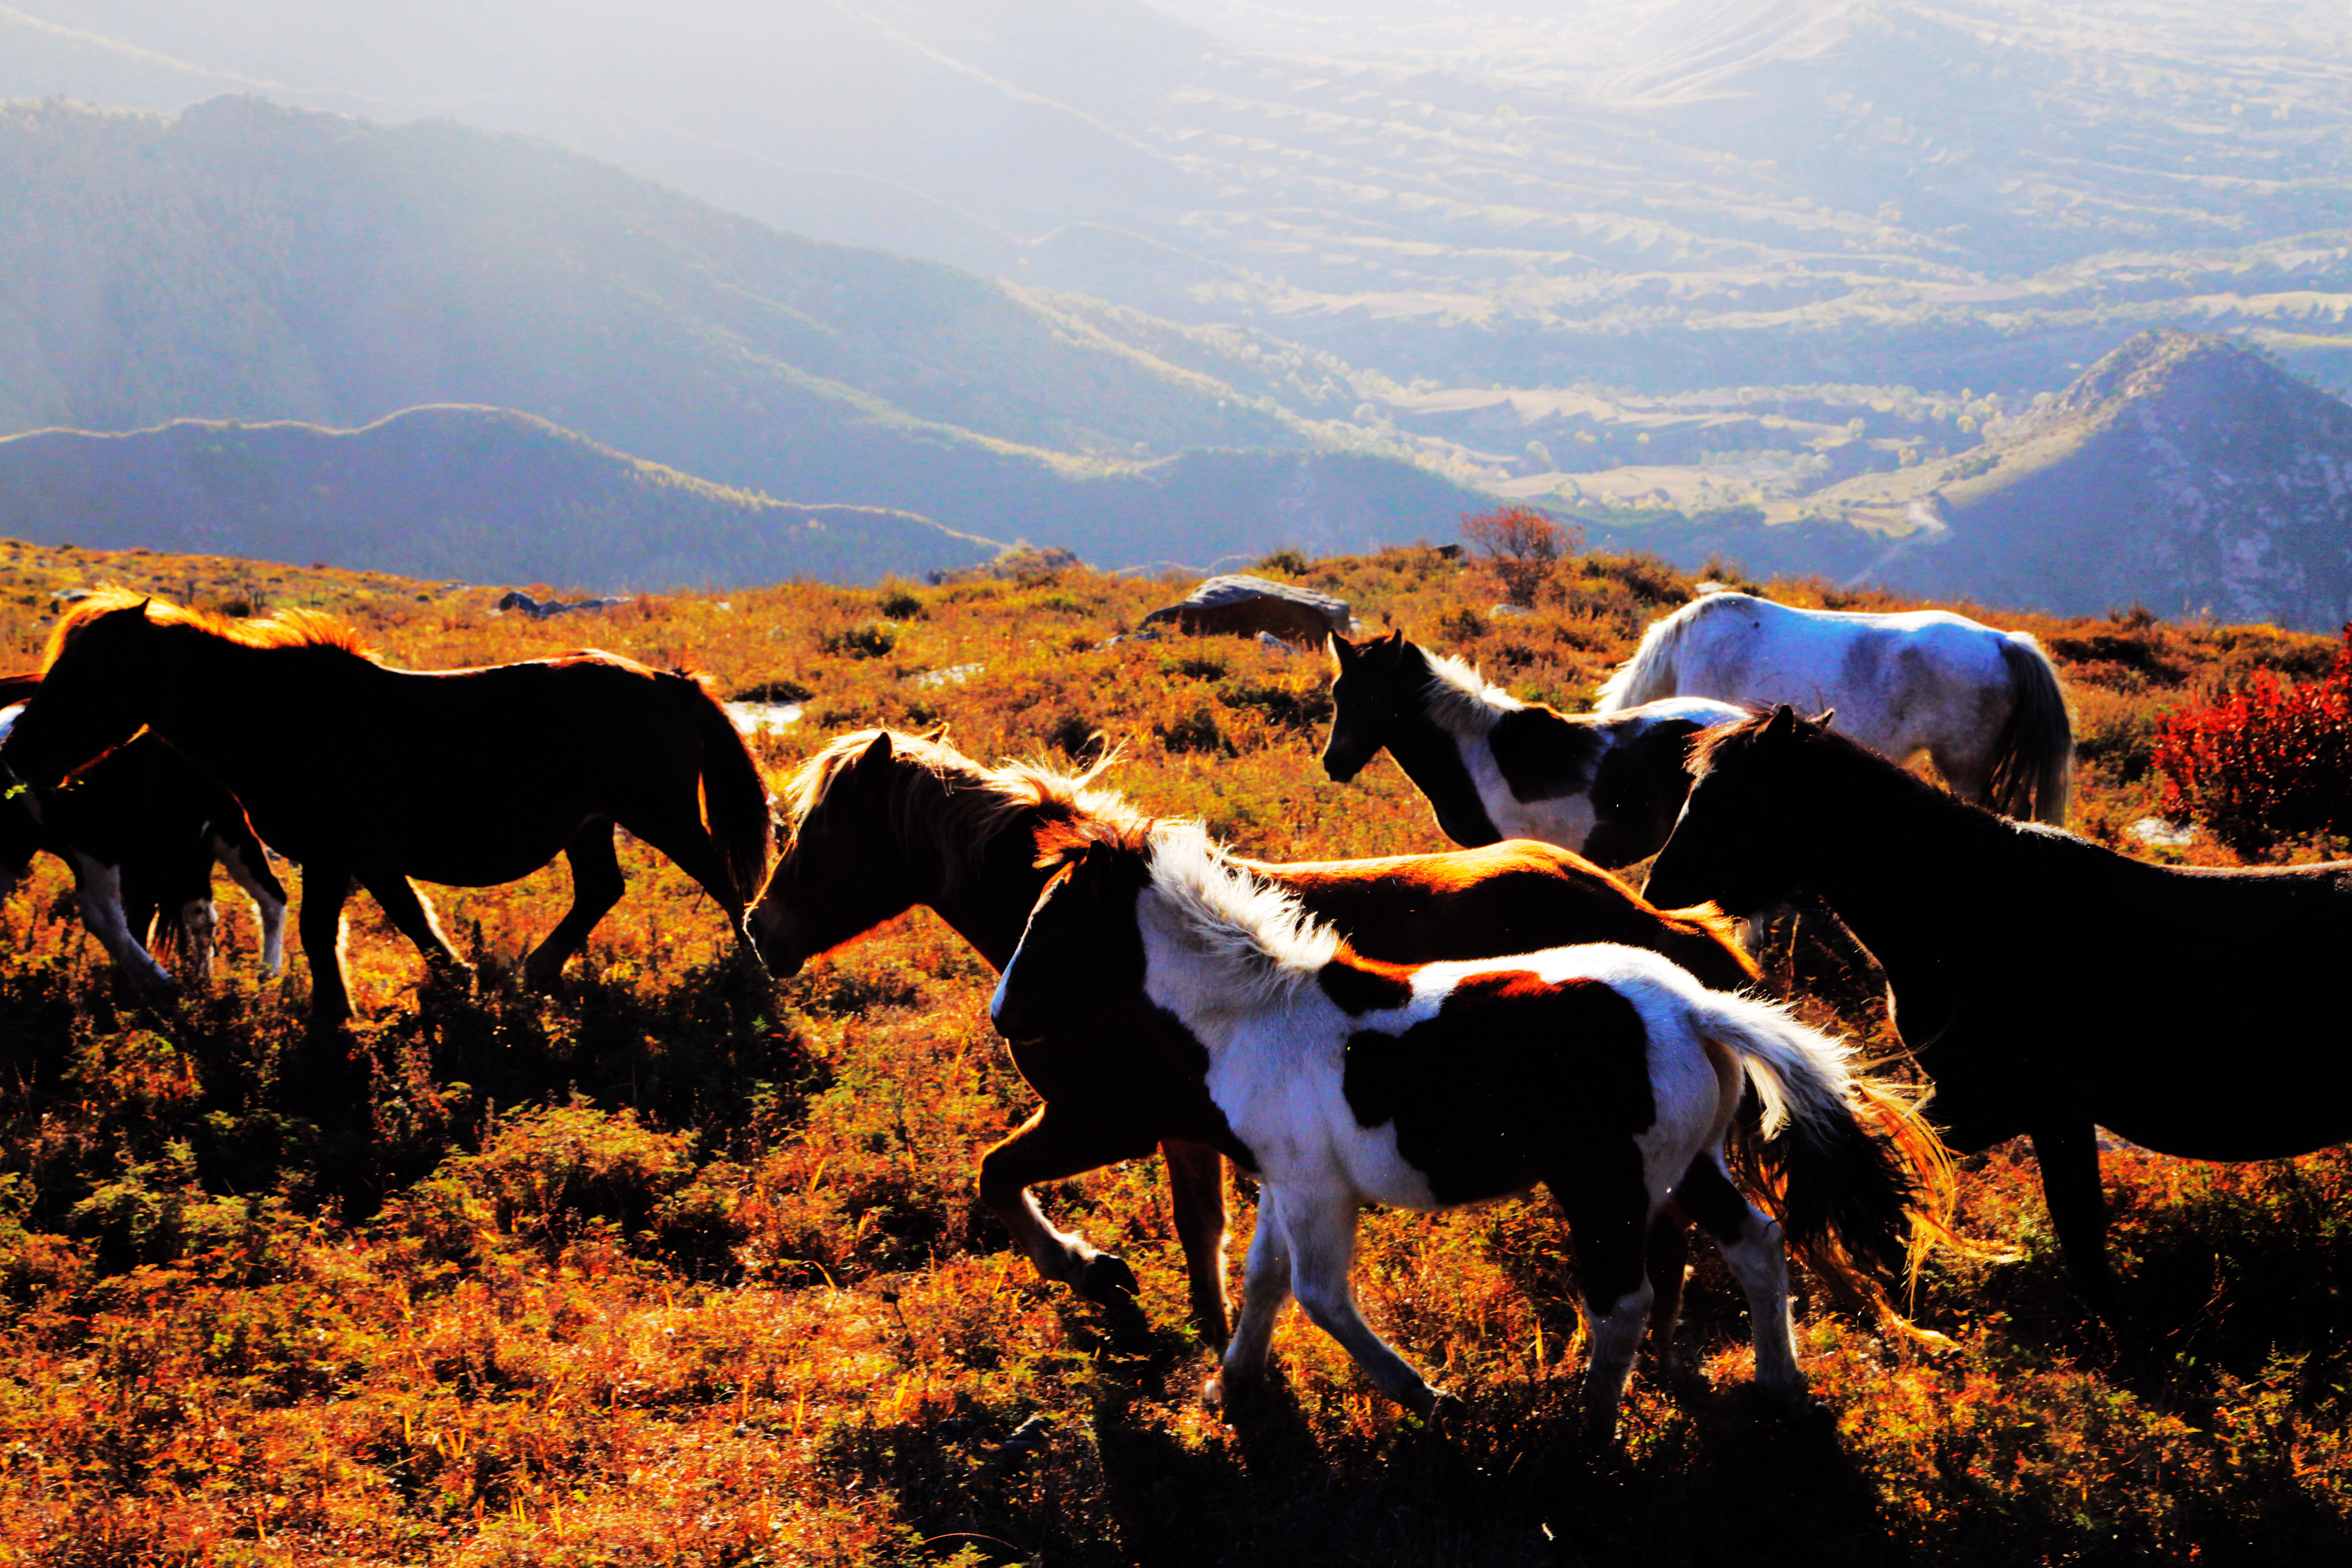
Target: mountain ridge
{"type": "Point", "coordinates": [447, 491]}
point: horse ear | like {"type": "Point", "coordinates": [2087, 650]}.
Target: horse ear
{"type": "Point", "coordinates": [1825, 718]}
{"type": "Point", "coordinates": [1341, 650]}
{"type": "Point", "coordinates": [876, 756]}
{"type": "Point", "coordinates": [1782, 724]}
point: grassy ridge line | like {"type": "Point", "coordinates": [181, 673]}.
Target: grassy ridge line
{"type": "Point", "coordinates": [660, 1270]}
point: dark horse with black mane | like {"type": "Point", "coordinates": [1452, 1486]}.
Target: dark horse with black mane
{"type": "Point", "coordinates": [469, 777]}
{"type": "Point", "coordinates": [2046, 984]}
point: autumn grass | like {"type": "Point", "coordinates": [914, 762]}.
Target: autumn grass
{"type": "Point", "coordinates": [671, 1267]}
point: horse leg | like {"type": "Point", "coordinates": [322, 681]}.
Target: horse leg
{"type": "Point", "coordinates": [596, 886]}
{"type": "Point", "coordinates": [1752, 1245]}
{"type": "Point", "coordinates": [1265, 1297]}
{"type": "Point", "coordinates": [249, 867]}
{"type": "Point", "coordinates": [1666, 1259]}
{"type": "Point", "coordinates": [1046, 1148]}
{"type": "Point", "coordinates": [1607, 1204]}
{"type": "Point", "coordinates": [98, 887]}
{"type": "Point", "coordinates": [410, 915]}
{"type": "Point", "coordinates": [1966, 774]}
{"type": "Point", "coordinates": [1320, 1233]}
{"type": "Point", "coordinates": [2069, 1157]}
{"type": "Point", "coordinates": [324, 888]}
{"type": "Point", "coordinates": [1196, 1198]}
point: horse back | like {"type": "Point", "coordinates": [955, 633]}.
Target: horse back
{"type": "Point", "coordinates": [1518, 895]}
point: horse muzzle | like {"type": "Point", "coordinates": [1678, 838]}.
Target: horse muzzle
{"type": "Point", "coordinates": [1341, 769]}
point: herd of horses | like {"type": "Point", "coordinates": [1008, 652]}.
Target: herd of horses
{"type": "Point", "coordinates": [1421, 1030]}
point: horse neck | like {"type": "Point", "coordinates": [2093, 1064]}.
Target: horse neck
{"type": "Point", "coordinates": [1913, 906]}
{"type": "Point", "coordinates": [987, 900]}
{"type": "Point", "coordinates": [1434, 756]}
{"type": "Point", "coordinates": [215, 694]}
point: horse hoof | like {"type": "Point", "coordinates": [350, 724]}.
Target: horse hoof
{"type": "Point", "coordinates": [1445, 1414]}
{"type": "Point", "coordinates": [1107, 1280]}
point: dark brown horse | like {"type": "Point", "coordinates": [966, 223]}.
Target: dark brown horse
{"type": "Point", "coordinates": [2046, 985]}
{"type": "Point", "coordinates": [471, 777]}
{"type": "Point", "coordinates": [878, 822]}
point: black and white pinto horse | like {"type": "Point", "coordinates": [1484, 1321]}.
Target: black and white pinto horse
{"type": "Point", "coordinates": [1985, 705]}
{"type": "Point", "coordinates": [140, 830]}
{"type": "Point", "coordinates": [1603, 1071]}
{"type": "Point", "coordinates": [1605, 785]}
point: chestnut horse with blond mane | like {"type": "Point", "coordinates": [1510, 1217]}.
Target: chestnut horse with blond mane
{"type": "Point", "coordinates": [360, 772]}
{"type": "Point", "coordinates": [878, 822]}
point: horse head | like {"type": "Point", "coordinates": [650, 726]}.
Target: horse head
{"type": "Point", "coordinates": [1082, 949]}
{"type": "Point", "coordinates": [842, 871]}
{"type": "Point", "coordinates": [1734, 843]}
{"type": "Point", "coordinates": [1366, 701]}
{"type": "Point", "coordinates": [101, 683]}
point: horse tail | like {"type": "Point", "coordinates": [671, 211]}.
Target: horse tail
{"type": "Point", "coordinates": [734, 796]}
{"type": "Point", "coordinates": [2033, 762]}
{"type": "Point", "coordinates": [1650, 674]}
{"type": "Point", "coordinates": [1859, 1181]}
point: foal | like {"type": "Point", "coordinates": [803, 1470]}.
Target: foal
{"type": "Point", "coordinates": [1603, 1071]}
{"type": "Point", "coordinates": [1606, 785]}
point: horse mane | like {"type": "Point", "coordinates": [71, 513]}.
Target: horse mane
{"type": "Point", "coordinates": [279, 628]}
{"type": "Point", "coordinates": [1460, 699]}
{"type": "Point", "coordinates": [1257, 935]}
{"type": "Point", "coordinates": [954, 807]}
{"type": "Point", "coordinates": [1650, 673]}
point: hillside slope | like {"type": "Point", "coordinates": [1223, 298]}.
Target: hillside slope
{"type": "Point", "coordinates": [246, 261]}
{"type": "Point", "coordinates": [484, 495]}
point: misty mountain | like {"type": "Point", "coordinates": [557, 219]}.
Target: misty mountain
{"type": "Point", "coordinates": [483, 494]}
{"type": "Point", "coordinates": [2185, 473]}
{"type": "Point", "coordinates": [245, 261]}
{"type": "Point", "coordinates": [1655, 193]}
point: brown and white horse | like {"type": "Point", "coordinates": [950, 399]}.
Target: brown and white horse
{"type": "Point", "coordinates": [877, 822]}
{"type": "Point", "coordinates": [1606, 785]}
{"type": "Point", "coordinates": [471, 777]}
{"type": "Point", "coordinates": [1603, 1071]}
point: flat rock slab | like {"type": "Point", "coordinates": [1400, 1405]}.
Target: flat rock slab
{"type": "Point", "coordinates": [1247, 607]}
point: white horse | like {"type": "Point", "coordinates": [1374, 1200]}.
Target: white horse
{"type": "Point", "coordinates": [1604, 1072]}
{"type": "Point", "coordinates": [1985, 705]}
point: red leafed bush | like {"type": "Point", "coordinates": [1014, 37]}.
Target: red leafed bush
{"type": "Point", "coordinates": [2272, 761]}
{"type": "Point", "coordinates": [1521, 546]}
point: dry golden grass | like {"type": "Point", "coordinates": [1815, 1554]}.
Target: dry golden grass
{"type": "Point", "coordinates": [665, 1268]}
